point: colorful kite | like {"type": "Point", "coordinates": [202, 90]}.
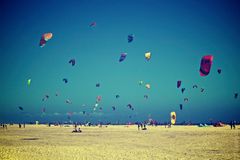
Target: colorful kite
{"type": "Point", "coordinates": [45, 37]}
{"type": "Point", "coordinates": [173, 117]}
{"type": "Point", "coordinates": [122, 57]}
{"type": "Point", "coordinates": [148, 56]}
{"type": "Point", "coordinates": [206, 64]}
{"type": "Point", "coordinates": [179, 83]}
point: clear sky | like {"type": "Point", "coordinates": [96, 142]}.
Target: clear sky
{"type": "Point", "coordinates": [177, 33]}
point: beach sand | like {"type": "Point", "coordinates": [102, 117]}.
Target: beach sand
{"type": "Point", "coordinates": [119, 142]}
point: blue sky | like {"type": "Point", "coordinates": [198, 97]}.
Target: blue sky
{"type": "Point", "coordinates": [177, 33]}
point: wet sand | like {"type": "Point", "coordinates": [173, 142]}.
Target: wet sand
{"type": "Point", "coordinates": [119, 142]}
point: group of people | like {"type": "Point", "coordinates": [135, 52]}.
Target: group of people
{"type": "Point", "coordinates": [4, 126]}
{"type": "Point", "coordinates": [143, 126]}
{"type": "Point", "coordinates": [233, 124]}
{"type": "Point", "coordinates": [20, 125]}
{"type": "Point", "coordinates": [76, 130]}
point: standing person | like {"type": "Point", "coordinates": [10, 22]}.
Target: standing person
{"type": "Point", "coordinates": [141, 126]}
{"type": "Point", "coordinates": [234, 124]}
{"type": "Point", "coordinates": [19, 125]}
{"type": "Point", "coordinates": [23, 125]}
{"type": "Point", "coordinates": [138, 126]}
{"type": "Point", "coordinates": [231, 124]}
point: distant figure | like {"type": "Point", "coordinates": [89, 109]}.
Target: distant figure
{"type": "Point", "coordinates": [19, 125]}
{"type": "Point", "coordinates": [79, 130]}
{"type": "Point", "coordinates": [234, 124]}
{"type": "Point", "coordinates": [231, 124]}
{"type": "Point", "coordinates": [144, 127]}
{"type": "Point", "coordinates": [138, 126]}
{"type": "Point", "coordinates": [169, 125]}
{"type": "Point", "coordinates": [141, 126]}
{"type": "Point", "coordinates": [23, 125]}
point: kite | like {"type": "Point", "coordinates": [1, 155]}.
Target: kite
{"type": "Point", "coordinates": [68, 101]}
{"type": "Point", "coordinates": [99, 98]}
{"type": "Point", "coordinates": [130, 38]}
{"type": "Point", "coordinates": [98, 85]}
{"type": "Point", "coordinates": [140, 82]}
{"type": "Point", "coordinates": [114, 108]}
{"type": "Point", "coordinates": [122, 57]}
{"type": "Point", "coordinates": [148, 55]}
{"type": "Point", "coordinates": [29, 82]}
{"type": "Point", "coordinates": [130, 106]}
{"type": "Point", "coordinates": [72, 61]}
{"type": "Point", "coordinates": [195, 86]}
{"type": "Point", "coordinates": [84, 112]}
{"type": "Point", "coordinates": [206, 64]}
{"type": "Point", "coordinates": [65, 80]}
{"type": "Point", "coordinates": [146, 96]}
{"type": "Point", "coordinates": [93, 24]}
{"type": "Point", "coordinates": [219, 71]}
{"type": "Point", "coordinates": [173, 117]}
{"type": "Point", "coordinates": [148, 86]}
{"type": "Point", "coordinates": [179, 83]}
{"type": "Point", "coordinates": [117, 96]}
{"type": "Point", "coordinates": [185, 99]}
{"type": "Point", "coordinates": [202, 89]}
{"type": "Point", "coordinates": [56, 94]}
{"type": "Point", "coordinates": [21, 108]}
{"type": "Point", "coordinates": [235, 95]}
{"type": "Point", "coordinates": [45, 97]}
{"type": "Point", "coordinates": [45, 37]}
{"type": "Point", "coordinates": [181, 106]}
{"type": "Point", "coordinates": [183, 89]}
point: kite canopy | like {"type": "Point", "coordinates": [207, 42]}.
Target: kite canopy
{"type": "Point", "coordinates": [130, 106]}
{"type": "Point", "coordinates": [148, 86]}
{"type": "Point", "coordinates": [72, 61]}
{"type": "Point", "coordinates": [93, 24]}
{"type": "Point", "coordinates": [179, 83]}
{"type": "Point", "coordinates": [146, 96]}
{"type": "Point", "coordinates": [117, 96]}
{"type": "Point", "coordinates": [99, 98]}
{"type": "Point", "coordinates": [122, 57]}
{"type": "Point", "coordinates": [21, 108]}
{"type": "Point", "coordinates": [45, 37]}
{"type": "Point", "coordinates": [235, 95]}
{"type": "Point", "coordinates": [130, 38]}
{"type": "Point", "coordinates": [185, 99]}
{"type": "Point", "coordinates": [98, 85]}
{"type": "Point", "coordinates": [202, 89]}
{"type": "Point", "coordinates": [183, 89]}
{"type": "Point", "coordinates": [181, 106]}
{"type": "Point", "coordinates": [205, 65]}
{"type": "Point", "coordinates": [140, 82]}
{"type": "Point", "coordinates": [114, 108]}
{"type": "Point", "coordinates": [65, 80]}
{"type": "Point", "coordinates": [68, 101]}
{"type": "Point", "coordinates": [173, 117]}
{"type": "Point", "coordinates": [195, 86]}
{"type": "Point", "coordinates": [219, 71]}
{"type": "Point", "coordinates": [148, 55]}
{"type": "Point", "coordinates": [29, 82]}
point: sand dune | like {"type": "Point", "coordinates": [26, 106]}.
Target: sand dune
{"type": "Point", "coordinates": [119, 142]}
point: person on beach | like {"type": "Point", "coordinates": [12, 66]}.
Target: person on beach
{"type": "Point", "coordinates": [234, 124]}
{"type": "Point", "coordinates": [138, 126]}
{"type": "Point", "coordinates": [79, 130]}
{"type": "Point", "coordinates": [19, 125]}
{"type": "Point", "coordinates": [231, 124]}
{"type": "Point", "coordinates": [23, 125]}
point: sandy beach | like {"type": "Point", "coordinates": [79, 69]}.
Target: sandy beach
{"type": "Point", "coordinates": [119, 142]}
